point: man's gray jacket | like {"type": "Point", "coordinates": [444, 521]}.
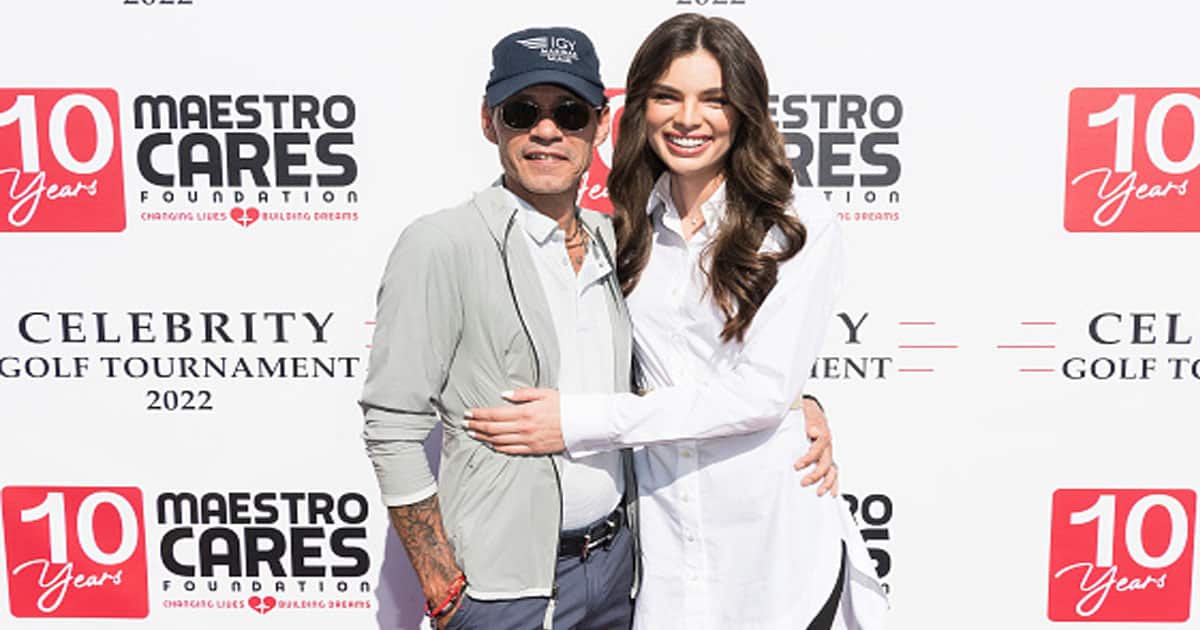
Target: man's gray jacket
{"type": "Point", "coordinates": [461, 318]}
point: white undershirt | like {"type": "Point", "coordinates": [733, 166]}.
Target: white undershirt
{"type": "Point", "coordinates": [591, 485]}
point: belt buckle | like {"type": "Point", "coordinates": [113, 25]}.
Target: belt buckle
{"type": "Point", "coordinates": [606, 540]}
{"type": "Point", "coordinates": [612, 533]}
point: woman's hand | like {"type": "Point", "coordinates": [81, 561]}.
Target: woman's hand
{"type": "Point", "coordinates": [821, 451]}
{"type": "Point", "coordinates": [532, 426]}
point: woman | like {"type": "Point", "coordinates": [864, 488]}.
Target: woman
{"type": "Point", "coordinates": [730, 274]}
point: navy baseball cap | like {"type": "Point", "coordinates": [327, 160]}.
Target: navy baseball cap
{"type": "Point", "coordinates": [559, 55]}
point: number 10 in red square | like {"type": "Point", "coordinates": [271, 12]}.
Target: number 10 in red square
{"type": "Point", "coordinates": [1121, 555]}
{"type": "Point", "coordinates": [75, 552]}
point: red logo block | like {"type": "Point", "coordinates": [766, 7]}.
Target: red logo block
{"type": "Point", "coordinates": [1131, 156]}
{"type": "Point", "coordinates": [75, 552]}
{"type": "Point", "coordinates": [1122, 555]}
{"type": "Point", "coordinates": [60, 161]}
{"type": "Point", "coordinates": [593, 187]}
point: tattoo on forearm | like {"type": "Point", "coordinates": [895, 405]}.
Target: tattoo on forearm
{"type": "Point", "coordinates": [420, 528]}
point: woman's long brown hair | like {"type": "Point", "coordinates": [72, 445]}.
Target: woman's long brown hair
{"type": "Point", "coordinates": [758, 177]}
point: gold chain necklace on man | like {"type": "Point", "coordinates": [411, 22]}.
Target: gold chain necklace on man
{"type": "Point", "coordinates": [577, 239]}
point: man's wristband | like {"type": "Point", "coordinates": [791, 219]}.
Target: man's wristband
{"type": "Point", "coordinates": [456, 590]}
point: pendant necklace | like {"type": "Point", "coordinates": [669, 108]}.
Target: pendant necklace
{"type": "Point", "coordinates": [577, 239]}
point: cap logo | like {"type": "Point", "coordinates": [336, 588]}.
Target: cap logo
{"type": "Point", "coordinates": [558, 49]}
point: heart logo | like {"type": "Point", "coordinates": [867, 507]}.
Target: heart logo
{"type": "Point", "coordinates": [244, 217]}
{"type": "Point", "coordinates": [261, 605]}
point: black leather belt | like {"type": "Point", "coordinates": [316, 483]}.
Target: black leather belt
{"type": "Point", "coordinates": [579, 544]}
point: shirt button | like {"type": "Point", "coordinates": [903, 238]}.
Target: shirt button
{"type": "Point", "coordinates": [685, 498]}
{"type": "Point", "coordinates": [686, 453]}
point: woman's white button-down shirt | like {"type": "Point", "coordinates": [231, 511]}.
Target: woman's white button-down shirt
{"type": "Point", "coordinates": [730, 538]}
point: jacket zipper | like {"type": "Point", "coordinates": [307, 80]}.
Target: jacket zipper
{"type": "Point", "coordinates": [548, 619]}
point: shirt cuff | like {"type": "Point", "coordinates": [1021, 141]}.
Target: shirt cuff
{"type": "Point", "coordinates": [397, 500]}
{"type": "Point", "coordinates": [585, 424]}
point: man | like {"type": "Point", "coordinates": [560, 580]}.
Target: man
{"type": "Point", "coordinates": [514, 288]}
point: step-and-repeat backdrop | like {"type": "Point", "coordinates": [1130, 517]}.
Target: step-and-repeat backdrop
{"type": "Point", "coordinates": [198, 197]}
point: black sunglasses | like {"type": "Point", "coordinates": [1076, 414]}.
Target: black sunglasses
{"type": "Point", "coordinates": [522, 115]}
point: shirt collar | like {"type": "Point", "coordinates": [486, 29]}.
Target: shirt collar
{"type": "Point", "coordinates": [541, 229]}
{"type": "Point", "coordinates": [713, 209]}
{"type": "Point", "coordinates": [539, 226]}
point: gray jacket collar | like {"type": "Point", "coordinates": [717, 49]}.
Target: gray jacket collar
{"type": "Point", "coordinates": [496, 208]}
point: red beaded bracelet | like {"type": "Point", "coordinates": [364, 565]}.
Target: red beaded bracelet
{"type": "Point", "coordinates": [456, 589]}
